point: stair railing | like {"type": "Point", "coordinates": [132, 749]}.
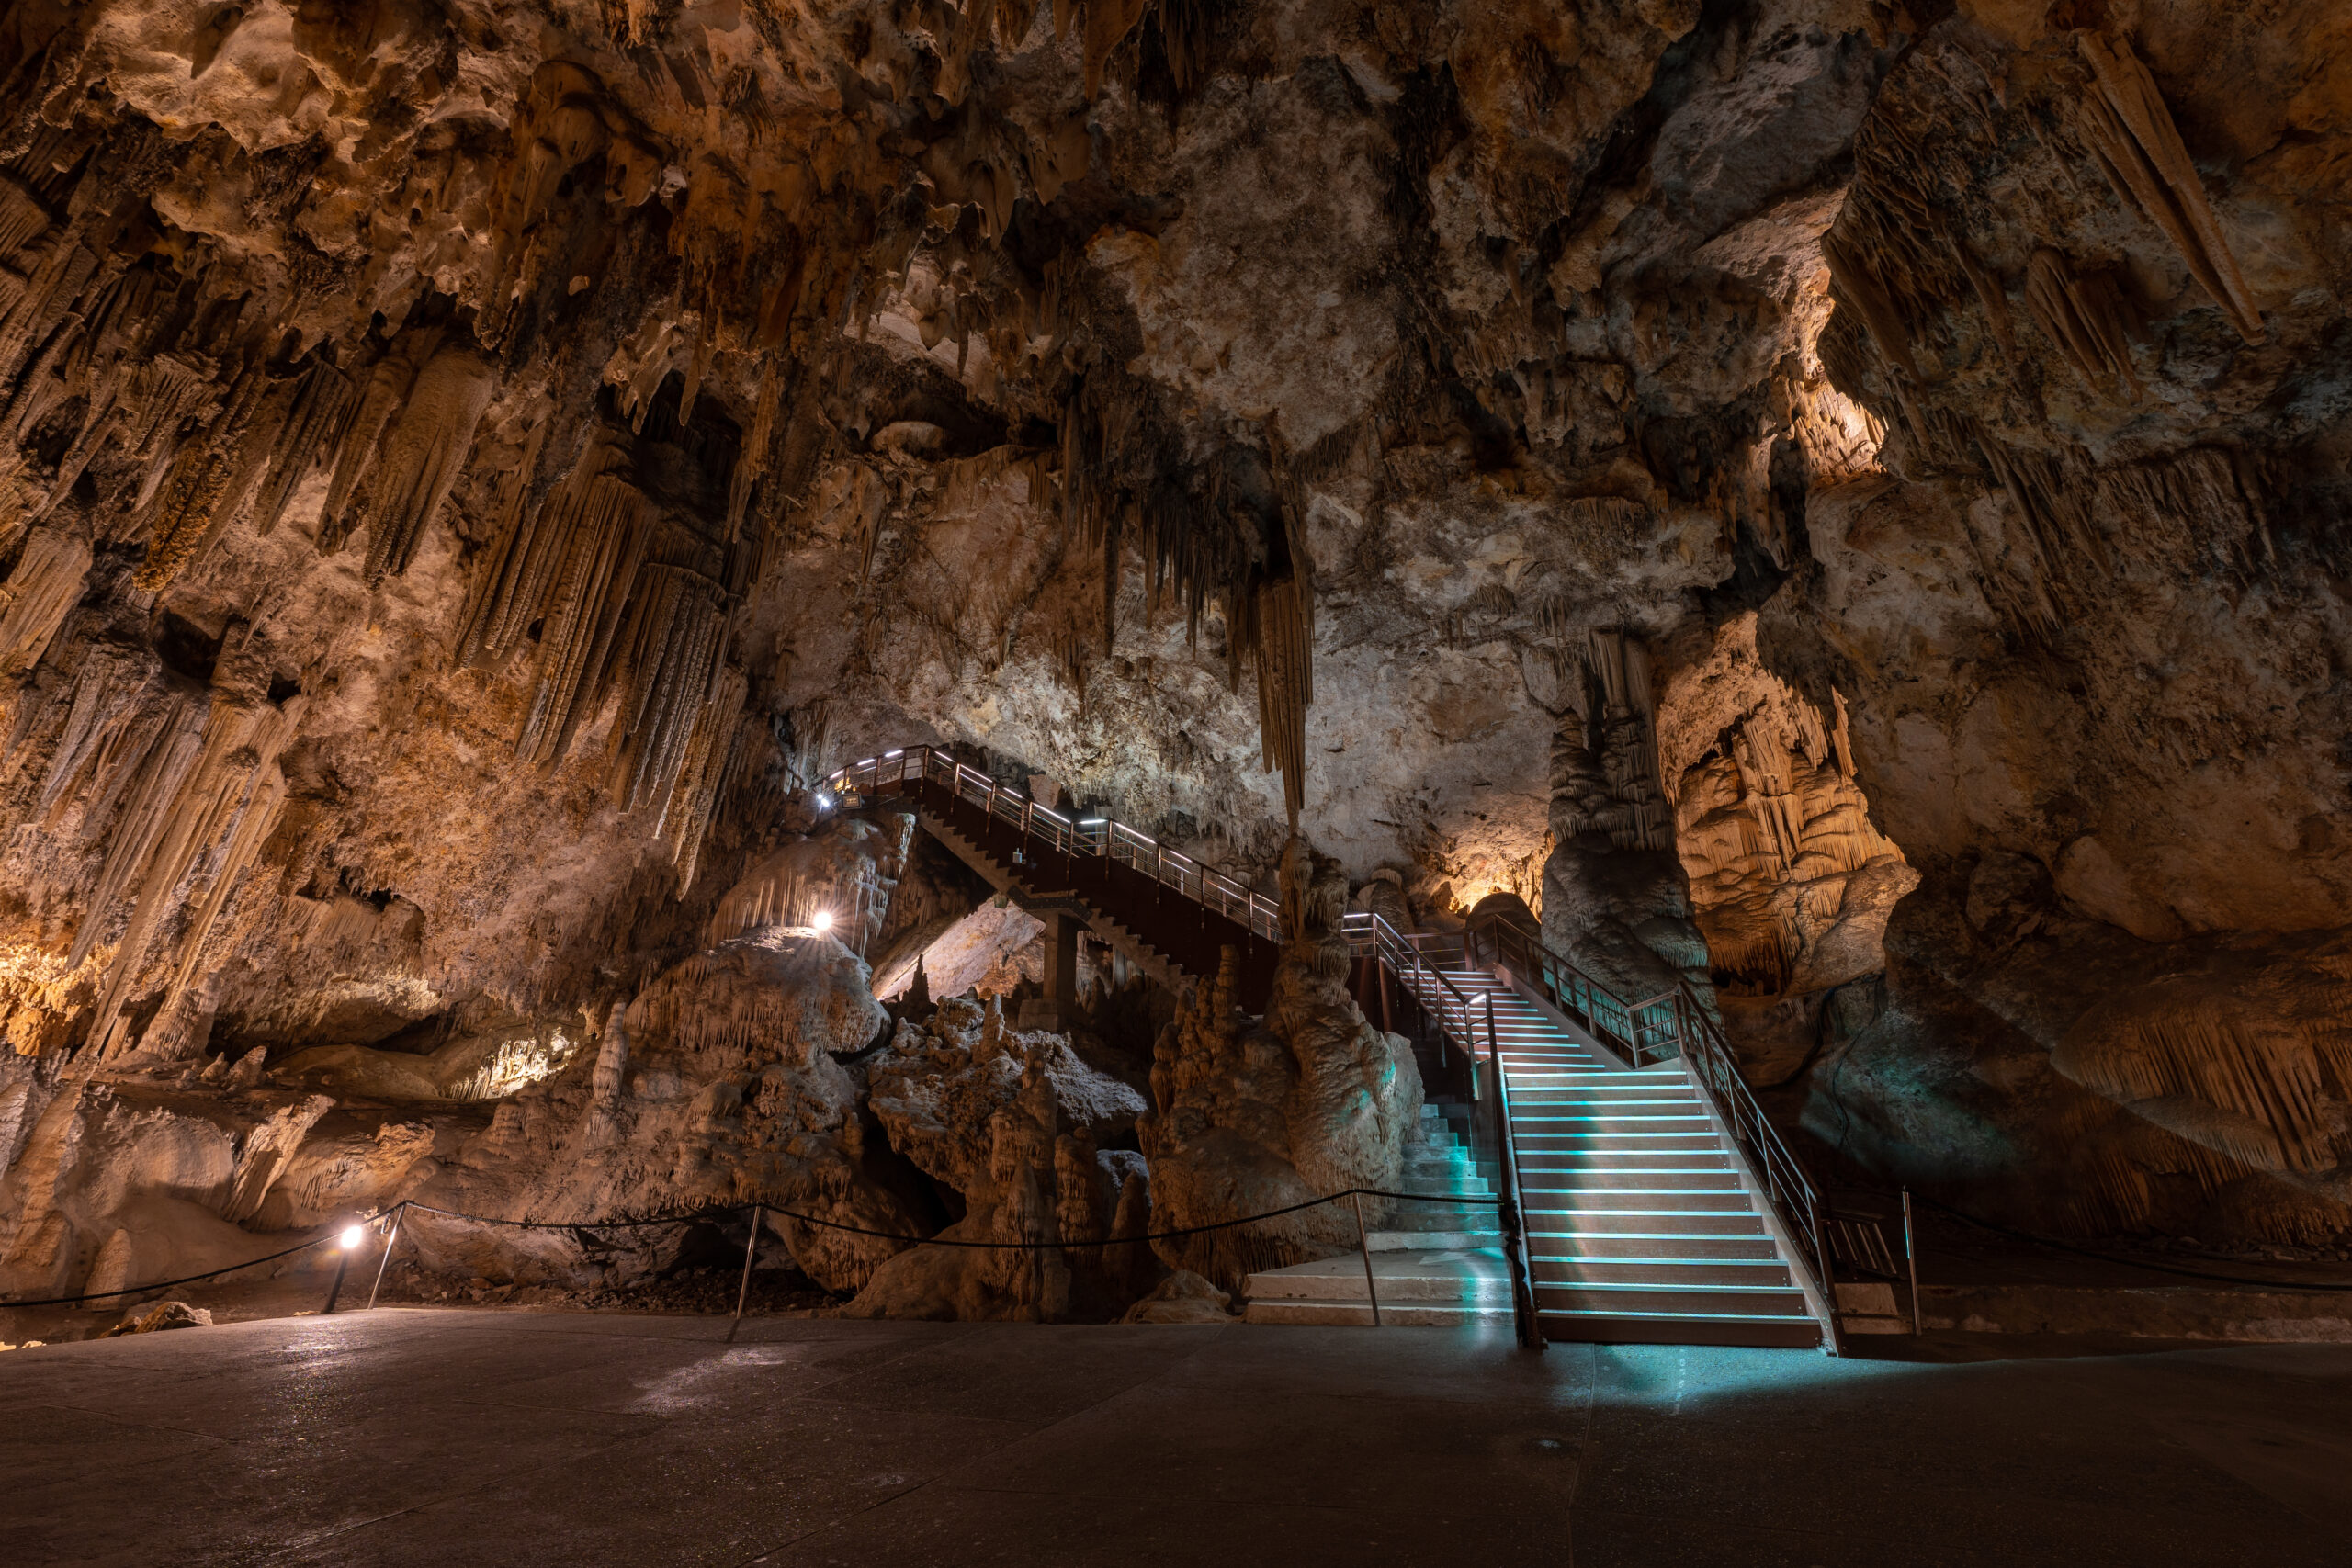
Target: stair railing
{"type": "Point", "coordinates": [1098, 837]}
{"type": "Point", "coordinates": [1643, 1032]}
{"type": "Point", "coordinates": [1774, 1165]}
{"type": "Point", "coordinates": [1676, 1023]}
{"type": "Point", "coordinates": [1409, 960]}
{"type": "Point", "coordinates": [1672, 1023]}
{"type": "Point", "coordinates": [1513, 1205]}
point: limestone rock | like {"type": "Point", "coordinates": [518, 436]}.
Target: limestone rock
{"type": "Point", "coordinates": [1251, 1118]}
{"type": "Point", "coordinates": [162, 1315]}
{"type": "Point", "coordinates": [1183, 1297]}
{"type": "Point", "coordinates": [1012, 1122]}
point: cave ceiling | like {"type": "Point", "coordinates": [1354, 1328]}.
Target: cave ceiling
{"type": "Point", "coordinates": [465, 465]}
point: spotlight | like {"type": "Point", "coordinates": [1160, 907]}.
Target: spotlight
{"type": "Point", "coordinates": [824, 801]}
{"type": "Point", "coordinates": [824, 921]}
{"type": "Point", "coordinates": [352, 1236]}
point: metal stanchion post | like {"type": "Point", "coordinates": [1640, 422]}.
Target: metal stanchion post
{"type": "Point", "coordinates": [349, 1242]}
{"type": "Point", "coordinates": [390, 1242]}
{"type": "Point", "coordinates": [1911, 1257]}
{"type": "Point", "coordinates": [751, 1250]}
{"type": "Point", "coordinates": [1364, 1246]}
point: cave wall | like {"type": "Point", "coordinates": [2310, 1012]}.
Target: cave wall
{"type": "Point", "coordinates": [2088, 627]}
{"type": "Point", "coordinates": [463, 467]}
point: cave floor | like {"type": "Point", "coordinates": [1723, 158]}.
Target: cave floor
{"type": "Point", "coordinates": [421, 1436]}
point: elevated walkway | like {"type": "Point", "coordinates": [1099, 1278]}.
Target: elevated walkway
{"type": "Point", "coordinates": [1614, 1177]}
{"type": "Point", "coordinates": [1163, 912]}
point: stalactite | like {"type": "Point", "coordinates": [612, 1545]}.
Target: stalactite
{"type": "Point", "coordinates": [388, 390]}
{"type": "Point", "coordinates": [40, 594]}
{"type": "Point", "coordinates": [1604, 758]}
{"type": "Point", "coordinates": [1856, 282]}
{"type": "Point", "coordinates": [2057, 529]}
{"type": "Point", "coordinates": [710, 753]}
{"type": "Point", "coordinates": [585, 552]}
{"type": "Point", "coordinates": [205, 808]}
{"type": "Point", "coordinates": [207, 483]}
{"type": "Point", "coordinates": [1286, 682]}
{"type": "Point", "coordinates": [2083, 314]}
{"type": "Point", "coordinates": [323, 404]}
{"type": "Point", "coordinates": [425, 455]}
{"type": "Point", "coordinates": [673, 664]}
{"type": "Point", "coordinates": [2131, 133]}
{"type": "Point", "coordinates": [1989, 294]}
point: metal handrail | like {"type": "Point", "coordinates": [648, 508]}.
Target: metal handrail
{"type": "Point", "coordinates": [1672, 1023]}
{"type": "Point", "coordinates": [1676, 1023]}
{"type": "Point", "coordinates": [1514, 1203]}
{"type": "Point", "coordinates": [1407, 959]}
{"type": "Point", "coordinates": [1099, 837]}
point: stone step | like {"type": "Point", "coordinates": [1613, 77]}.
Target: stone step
{"type": "Point", "coordinates": [1639, 1101]}
{"type": "Point", "coordinates": [1424, 1241]}
{"type": "Point", "coordinates": [1548, 1176]}
{"type": "Point", "coordinates": [1454, 1185]}
{"type": "Point", "coordinates": [1438, 1217]}
{"type": "Point", "coordinates": [1547, 1200]}
{"type": "Point", "coordinates": [1602, 1247]}
{"type": "Point", "coordinates": [1764, 1274]}
{"type": "Point", "coordinates": [1405, 1315]}
{"type": "Point", "coordinates": [1623, 1159]}
{"type": "Point", "coordinates": [1705, 1301]}
{"type": "Point", "coordinates": [1628, 1142]}
{"type": "Point", "coordinates": [1540, 1124]}
{"type": "Point", "coordinates": [1448, 1277]}
{"type": "Point", "coordinates": [1554, 1218]}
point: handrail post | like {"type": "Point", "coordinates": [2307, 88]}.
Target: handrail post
{"type": "Point", "coordinates": [1911, 1260]}
{"type": "Point", "coordinates": [1522, 1288]}
{"type": "Point", "coordinates": [400, 1213]}
{"type": "Point", "coordinates": [1828, 1279]}
{"type": "Point", "coordinates": [751, 1250]}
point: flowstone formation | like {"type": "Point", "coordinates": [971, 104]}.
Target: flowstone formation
{"type": "Point", "coordinates": [1837, 503]}
{"type": "Point", "coordinates": [721, 1084]}
{"type": "Point", "coordinates": [1024, 1134]}
{"type": "Point", "coordinates": [1614, 892]}
{"type": "Point", "coordinates": [1251, 1116]}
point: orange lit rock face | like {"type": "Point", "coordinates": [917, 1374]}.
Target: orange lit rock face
{"type": "Point", "coordinates": [464, 468]}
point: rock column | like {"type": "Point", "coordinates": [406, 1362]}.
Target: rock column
{"type": "Point", "coordinates": [1615, 899]}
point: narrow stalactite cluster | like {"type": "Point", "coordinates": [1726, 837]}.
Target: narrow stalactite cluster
{"type": "Point", "coordinates": [1605, 762]}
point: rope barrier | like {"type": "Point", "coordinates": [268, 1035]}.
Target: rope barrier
{"type": "Point", "coordinates": [2129, 1262]}
{"type": "Point", "coordinates": [167, 1284]}
{"type": "Point", "coordinates": [944, 1241]}
{"type": "Point", "coordinates": [691, 1217]}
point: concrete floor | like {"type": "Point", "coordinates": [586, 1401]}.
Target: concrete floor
{"type": "Point", "coordinates": [413, 1436]}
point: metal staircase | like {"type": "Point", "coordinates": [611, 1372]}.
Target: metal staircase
{"type": "Point", "coordinates": [1638, 1223]}
{"type": "Point", "coordinates": [1643, 1194]}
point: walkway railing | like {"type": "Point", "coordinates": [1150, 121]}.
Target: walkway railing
{"type": "Point", "coordinates": [1464, 1020]}
{"type": "Point", "coordinates": [1656, 1029]}
{"type": "Point", "coordinates": [1673, 1023]}
{"type": "Point", "coordinates": [1093, 836]}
